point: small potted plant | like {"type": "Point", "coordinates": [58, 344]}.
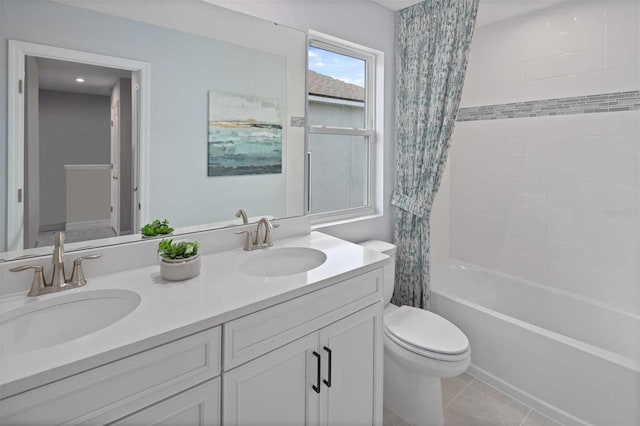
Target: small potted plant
{"type": "Point", "coordinates": [155, 228]}
{"type": "Point", "coordinates": [179, 261]}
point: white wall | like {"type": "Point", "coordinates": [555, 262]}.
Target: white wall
{"type": "Point", "coordinates": [553, 199]}
{"type": "Point", "coordinates": [365, 23]}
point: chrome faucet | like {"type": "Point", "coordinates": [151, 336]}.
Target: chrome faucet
{"type": "Point", "coordinates": [264, 241]}
{"type": "Point", "coordinates": [260, 239]}
{"type": "Point", "coordinates": [242, 213]}
{"type": "Point", "coordinates": [59, 281]}
{"type": "Point", "coordinates": [58, 278]}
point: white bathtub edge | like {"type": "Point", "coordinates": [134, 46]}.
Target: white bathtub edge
{"type": "Point", "coordinates": [548, 410]}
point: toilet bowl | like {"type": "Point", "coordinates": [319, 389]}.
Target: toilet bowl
{"type": "Point", "coordinates": [420, 348]}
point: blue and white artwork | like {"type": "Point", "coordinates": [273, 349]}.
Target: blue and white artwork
{"type": "Point", "coordinates": [245, 135]}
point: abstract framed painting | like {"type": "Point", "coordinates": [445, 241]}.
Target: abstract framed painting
{"type": "Point", "coordinates": [244, 135]}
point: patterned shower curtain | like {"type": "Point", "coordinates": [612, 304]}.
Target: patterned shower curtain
{"type": "Point", "coordinates": [433, 39]}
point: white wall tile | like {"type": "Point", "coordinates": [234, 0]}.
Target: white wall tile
{"type": "Point", "coordinates": [590, 83]}
{"type": "Point", "coordinates": [560, 87]}
{"type": "Point", "coordinates": [589, 60]}
{"type": "Point", "coordinates": [514, 147]}
{"type": "Point", "coordinates": [561, 65]}
{"type": "Point", "coordinates": [589, 36]}
{"type": "Point", "coordinates": [620, 55]}
{"type": "Point", "coordinates": [621, 79]}
{"type": "Point", "coordinates": [536, 69]}
{"type": "Point", "coordinates": [577, 40]}
{"type": "Point", "coordinates": [492, 75]}
{"type": "Point", "coordinates": [539, 207]}
{"type": "Point", "coordinates": [560, 224]}
{"type": "Point", "coordinates": [588, 13]}
{"type": "Point", "coordinates": [553, 199]}
{"type": "Point", "coordinates": [514, 72]}
{"type": "Point", "coordinates": [516, 92]}
{"type": "Point", "coordinates": [620, 30]}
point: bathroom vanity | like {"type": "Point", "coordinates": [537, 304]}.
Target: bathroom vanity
{"type": "Point", "coordinates": [239, 344]}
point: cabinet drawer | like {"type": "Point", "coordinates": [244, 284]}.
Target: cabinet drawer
{"type": "Point", "coordinates": [116, 389]}
{"type": "Point", "coordinates": [255, 334]}
{"type": "Point", "coordinates": [199, 406]}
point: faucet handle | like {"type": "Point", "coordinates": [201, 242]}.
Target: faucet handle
{"type": "Point", "coordinates": [248, 241]}
{"type": "Point", "coordinates": [38, 283]}
{"type": "Point", "coordinates": [77, 276]}
{"type": "Point", "coordinates": [268, 242]}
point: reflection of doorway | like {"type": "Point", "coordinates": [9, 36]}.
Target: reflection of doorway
{"type": "Point", "coordinates": [79, 135]}
{"type": "Point", "coordinates": [115, 167]}
{"type": "Point", "coordinates": [77, 155]}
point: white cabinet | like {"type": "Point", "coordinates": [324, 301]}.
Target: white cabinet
{"type": "Point", "coordinates": [329, 377]}
{"type": "Point", "coordinates": [273, 389]}
{"type": "Point", "coordinates": [112, 391]}
{"type": "Point", "coordinates": [314, 359]}
{"type": "Point", "coordinates": [354, 348]}
{"type": "Point", "coordinates": [199, 406]}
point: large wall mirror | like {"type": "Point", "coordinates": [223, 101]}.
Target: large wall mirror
{"type": "Point", "coordinates": [126, 112]}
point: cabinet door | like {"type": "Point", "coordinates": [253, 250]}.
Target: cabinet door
{"type": "Point", "coordinates": [198, 406]}
{"type": "Point", "coordinates": [354, 347]}
{"type": "Point", "coordinates": [275, 388]}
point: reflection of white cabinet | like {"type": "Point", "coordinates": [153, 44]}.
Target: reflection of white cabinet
{"type": "Point", "coordinates": [328, 377]}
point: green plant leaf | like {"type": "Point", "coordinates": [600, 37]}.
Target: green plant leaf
{"type": "Point", "coordinates": [182, 250]}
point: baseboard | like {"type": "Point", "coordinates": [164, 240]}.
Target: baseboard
{"type": "Point", "coordinates": [88, 225]}
{"type": "Point", "coordinates": [548, 410]}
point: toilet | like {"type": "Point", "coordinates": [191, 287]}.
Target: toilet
{"type": "Point", "coordinates": [420, 348]}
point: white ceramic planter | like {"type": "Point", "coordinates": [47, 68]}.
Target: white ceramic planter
{"type": "Point", "coordinates": [179, 269]}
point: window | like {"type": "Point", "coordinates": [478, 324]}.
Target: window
{"type": "Point", "coordinates": [341, 130]}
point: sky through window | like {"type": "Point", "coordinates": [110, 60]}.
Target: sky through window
{"type": "Point", "coordinates": [342, 67]}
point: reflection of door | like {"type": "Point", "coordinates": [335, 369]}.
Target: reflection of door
{"type": "Point", "coordinates": [115, 167]}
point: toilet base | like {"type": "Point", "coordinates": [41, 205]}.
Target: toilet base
{"type": "Point", "coordinates": [412, 395]}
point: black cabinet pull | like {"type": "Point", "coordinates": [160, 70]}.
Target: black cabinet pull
{"type": "Point", "coordinates": [328, 382]}
{"type": "Point", "coordinates": [316, 387]}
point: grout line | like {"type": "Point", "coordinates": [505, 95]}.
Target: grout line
{"type": "Point", "coordinates": [462, 390]}
{"type": "Point", "coordinates": [526, 417]}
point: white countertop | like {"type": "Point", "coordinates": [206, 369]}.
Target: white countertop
{"type": "Point", "coordinates": [170, 310]}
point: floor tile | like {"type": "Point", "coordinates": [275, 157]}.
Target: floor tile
{"type": "Point", "coordinates": [536, 419]}
{"type": "Point", "coordinates": [451, 387]}
{"type": "Point", "coordinates": [389, 418]}
{"type": "Point", "coordinates": [482, 405]}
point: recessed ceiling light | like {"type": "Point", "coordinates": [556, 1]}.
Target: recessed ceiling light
{"type": "Point", "coordinates": [79, 80]}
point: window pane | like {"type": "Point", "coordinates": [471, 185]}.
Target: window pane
{"type": "Point", "coordinates": [338, 172]}
{"type": "Point", "coordinates": [336, 89]}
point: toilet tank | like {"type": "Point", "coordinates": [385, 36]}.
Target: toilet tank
{"type": "Point", "coordinates": [390, 269]}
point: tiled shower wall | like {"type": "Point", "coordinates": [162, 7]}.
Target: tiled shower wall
{"type": "Point", "coordinates": [579, 48]}
{"type": "Point", "coordinates": [546, 197]}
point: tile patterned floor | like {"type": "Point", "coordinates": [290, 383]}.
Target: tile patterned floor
{"type": "Point", "coordinates": [469, 402]}
{"type": "Point", "coordinates": [46, 238]}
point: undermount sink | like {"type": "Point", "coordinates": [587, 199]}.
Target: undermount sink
{"type": "Point", "coordinates": [282, 261]}
{"type": "Point", "coordinates": [43, 323]}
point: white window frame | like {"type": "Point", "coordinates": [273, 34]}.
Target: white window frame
{"type": "Point", "coordinates": [374, 106]}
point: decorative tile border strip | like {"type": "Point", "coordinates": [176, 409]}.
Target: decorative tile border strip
{"type": "Point", "coordinates": [607, 102]}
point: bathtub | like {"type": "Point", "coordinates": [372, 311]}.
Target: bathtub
{"type": "Point", "coordinates": [570, 358]}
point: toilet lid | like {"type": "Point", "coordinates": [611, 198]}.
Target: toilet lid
{"type": "Point", "coordinates": [426, 330]}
